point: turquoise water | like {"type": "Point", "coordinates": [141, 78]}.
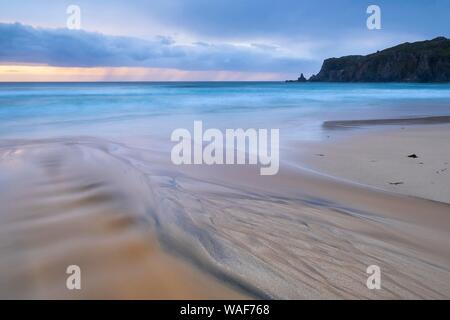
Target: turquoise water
{"type": "Point", "coordinates": [114, 110]}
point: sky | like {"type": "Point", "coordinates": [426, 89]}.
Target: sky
{"type": "Point", "coordinates": [195, 40]}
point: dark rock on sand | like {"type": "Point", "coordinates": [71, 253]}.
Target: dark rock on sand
{"type": "Point", "coordinates": [396, 183]}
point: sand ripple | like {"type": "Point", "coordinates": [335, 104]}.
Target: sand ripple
{"type": "Point", "coordinates": [141, 227]}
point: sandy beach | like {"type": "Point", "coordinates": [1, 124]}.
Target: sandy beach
{"type": "Point", "coordinates": [224, 150]}
{"type": "Point", "coordinates": [407, 158]}
{"type": "Point", "coordinates": [65, 204]}
{"type": "Point", "coordinates": [140, 227]}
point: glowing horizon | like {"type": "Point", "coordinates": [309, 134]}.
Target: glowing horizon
{"type": "Point", "coordinates": [44, 73]}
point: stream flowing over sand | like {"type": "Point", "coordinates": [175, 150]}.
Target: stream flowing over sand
{"type": "Point", "coordinates": [140, 227]}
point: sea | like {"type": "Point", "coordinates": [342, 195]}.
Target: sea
{"type": "Point", "coordinates": [154, 109]}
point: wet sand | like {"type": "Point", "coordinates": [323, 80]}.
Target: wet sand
{"type": "Point", "coordinates": [141, 227]}
{"type": "Point", "coordinates": [408, 159]}
{"type": "Point", "coordinates": [70, 204]}
{"type": "Point", "coordinates": [380, 122]}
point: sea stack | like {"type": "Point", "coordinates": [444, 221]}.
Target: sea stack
{"type": "Point", "coordinates": [299, 79]}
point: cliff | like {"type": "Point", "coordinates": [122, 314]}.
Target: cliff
{"type": "Point", "coordinates": [424, 61]}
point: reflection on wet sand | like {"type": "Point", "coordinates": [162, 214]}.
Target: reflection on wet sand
{"type": "Point", "coordinates": [141, 227]}
{"type": "Point", "coordinates": [72, 204]}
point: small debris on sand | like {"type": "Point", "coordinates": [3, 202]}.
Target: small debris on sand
{"type": "Point", "coordinates": [414, 156]}
{"type": "Point", "coordinates": [320, 155]}
{"type": "Point", "coordinates": [396, 183]}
